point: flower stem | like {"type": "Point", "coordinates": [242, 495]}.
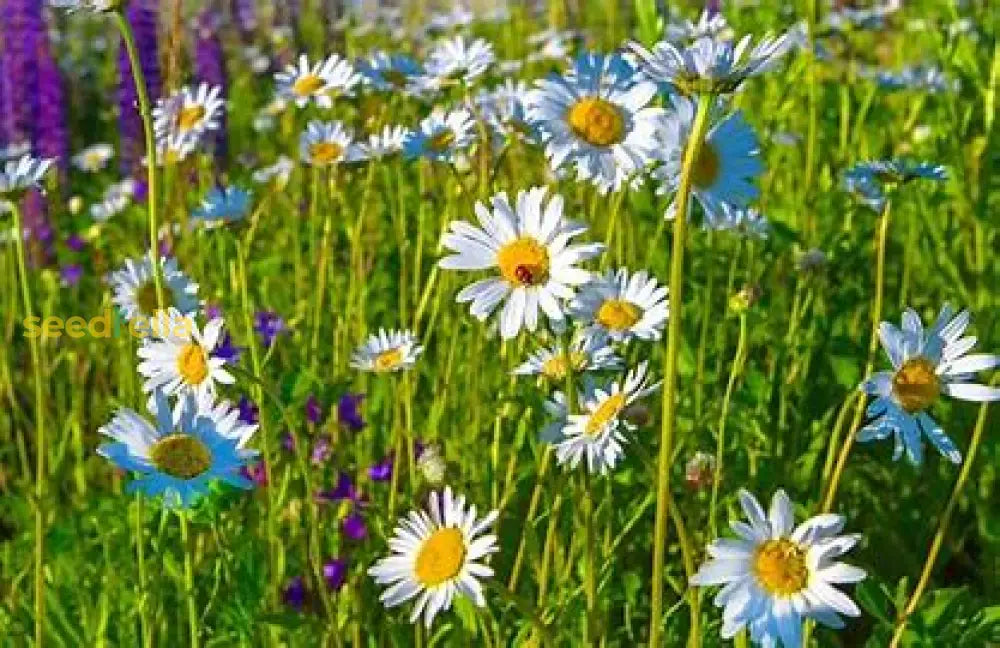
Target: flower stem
{"type": "Point", "coordinates": [589, 579]}
{"type": "Point", "coordinates": [670, 365]}
{"type": "Point", "coordinates": [942, 528]}
{"type": "Point", "coordinates": [140, 549]}
{"type": "Point", "coordinates": [192, 611]}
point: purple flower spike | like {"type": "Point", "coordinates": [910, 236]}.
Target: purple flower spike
{"type": "Point", "coordinates": [210, 67]}
{"type": "Point", "coordinates": [335, 573]}
{"type": "Point", "coordinates": [314, 410]}
{"type": "Point", "coordinates": [382, 471]}
{"type": "Point", "coordinates": [141, 15]}
{"type": "Point", "coordinates": [348, 413]}
{"type": "Point", "coordinates": [354, 527]}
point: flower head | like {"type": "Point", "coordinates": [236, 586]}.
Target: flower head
{"type": "Point", "coordinates": [134, 288]}
{"type": "Point", "coordinates": [94, 158]}
{"type": "Point", "coordinates": [441, 135]}
{"type": "Point", "coordinates": [586, 353]}
{"type": "Point", "coordinates": [455, 60]}
{"type": "Point", "coordinates": [622, 306]}
{"type": "Point", "coordinates": [387, 351]}
{"type": "Point", "coordinates": [189, 112]}
{"type": "Point", "coordinates": [22, 174]}
{"type": "Point", "coordinates": [324, 144]}
{"type": "Point", "coordinates": [223, 205]}
{"type": "Point", "coordinates": [304, 82]}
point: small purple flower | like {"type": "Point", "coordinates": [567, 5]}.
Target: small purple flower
{"type": "Point", "coordinates": [382, 471]}
{"type": "Point", "coordinates": [288, 442]}
{"type": "Point", "coordinates": [226, 349]}
{"type": "Point", "coordinates": [354, 527]}
{"type": "Point", "coordinates": [314, 410]}
{"type": "Point", "coordinates": [321, 450]}
{"type": "Point", "coordinates": [249, 412]}
{"type": "Point", "coordinates": [75, 243]}
{"type": "Point", "coordinates": [212, 311]}
{"type": "Point", "coordinates": [295, 593]}
{"type": "Point", "coordinates": [257, 473]}
{"type": "Point", "coordinates": [268, 325]}
{"type": "Point", "coordinates": [335, 573]}
{"type": "Point", "coordinates": [348, 413]}
{"type": "Point", "coordinates": [71, 274]}
{"type": "Point", "coordinates": [344, 490]}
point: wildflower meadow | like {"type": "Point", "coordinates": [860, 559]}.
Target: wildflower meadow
{"type": "Point", "coordinates": [567, 323]}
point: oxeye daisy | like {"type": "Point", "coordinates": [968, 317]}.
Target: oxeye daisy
{"type": "Point", "coordinates": [775, 575]}
{"type": "Point", "coordinates": [728, 160]}
{"type": "Point", "coordinates": [188, 112]}
{"type": "Point", "coordinates": [586, 353]}
{"type": "Point", "coordinates": [390, 72]}
{"type": "Point", "coordinates": [746, 222]}
{"type": "Point", "coordinates": [178, 357]}
{"type": "Point", "coordinates": [597, 433]}
{"type": "Point", "coordinates": [324, 143]}
{"type": "Point", "coordinates": [597, 118]}
{"type": "Point", "coordinates": [441, 135]}
{"type": "Point", "coordinates": [387, 351]}
{"type": "Point", "coordinates": [710, 24]}
{"type": "Point", "coordinates": [134, 290]}
{"type": "Point", "coordinates": [455, 60]}
{"type": "Point", "coordinates": [180, 455]}
{"type": "Point", "coordinates": [712, 64]}
{"type": "Point", "coordinates": [223, 205]}
{"type": "Point", "coordinates": [506, 112]}
{"type": "Point", "coordinates": [528, 243]}
{"type": "Point", "coordinates": [22, 174]}
{"type": "Point", "coordinates": [873, 179]}
{"type": "Point", "coordinates": [926, 364]}
{"type": "Point", "coordinates": [94, 158]}
{"type": "Point", "coordinates": [96, 6]}
{"type": "Point", "coordinates": [116, 198]}
{"type": "Point", "coordinates": [173, 148]}
{"type": "Point", "coordinates": [279, 173]}
{"type": "Point", "coordinates": [302, 82]}
{"type": "Point", "coordinates": [437, 554]}
{"type": "Point", "coordinates": [622, 305]}
{"type": "Point", "coordinates": [389, 141]}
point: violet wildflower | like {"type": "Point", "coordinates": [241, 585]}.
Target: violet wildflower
{"type": "Point", "coordinates": [322, 450]}
{"type": "Point", "coordinates": [70, 274]}
{"type": "Point", "coordinates": [249, 412]}
{"type": "Point", "coordinates": [295, 593]}
{"type": "Point", "coordinates": [347, 412]}
{"type": "Point", "coordinates": [268, 325]}
{"type": "Point", "coordinates": [256, 473]}
{"type": "Point", "coordinates": [314, 410]}
{"type": "Point", "coordinates": [335, 573]}
{"type": "Point", "coordinates": [354, 527]}
{"type": "Point", "coordinates": [382, 471]}
{"type": "Point", "coordinates": [75, 243]}
{"type": "Point", "coordinates": [345, 490]}
{"type": "Point", "coordinates": [227, 350]}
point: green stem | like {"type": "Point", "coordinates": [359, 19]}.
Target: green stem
{"type": "Point", "coordinates": [589, 581]}
{"type": "Point", "coordinates": [140, 548]}
{"type": "Point", "coordinates": [192, 610]}
{"type": "Point", "coordinates": [670, 366]}
{"type": "Point", "coordinates": [734, 372]}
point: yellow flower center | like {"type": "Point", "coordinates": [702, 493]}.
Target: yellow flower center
{"type": "Point", "coordinates": [394, 78]}
{"type": "Point", "coordinates": [618, 314]}
{"type": "Point", "coordinates": [596, 121]}
{"type": "Point", "coordinates": [93, 159]}
{"type": "Point", "coordinates": [442, 141]}
{"type": "Point", "coordinates": [604, 414]}
{"type": "Point", "coordinates": [189, 117]}
{"type": "Point", "coordinates": [181, 456]}
{"type": "Point", "coordinates": [192, 364]}
{"type": "Point", "coordinates": [555, 367]}
{"type": "Point", "coordinates": [706, 167]}
{"type": "Point", "coordinates": [780, 567]}
{"type": "Point", "coordinates": [916, 385]}
{"type": "Point", "coordinates": [145, 298]}
{"type": "Point", "coordinates": [325, 152]}
{"type": "Point", "coordinates": [307, 85]}
{"type": "Point", "coordinates": [440, 558]}
{"type": "Point", "coordinates": [389, 360]}
{"type": "Point", "coordinates": [524, 262]}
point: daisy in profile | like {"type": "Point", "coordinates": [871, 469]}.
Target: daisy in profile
{"type": "Point", "coordinates": [710, 24]}
{"type": "Point", "coordinates": [116, 198]}
{"type": "Point", "coordinates": [506, 112]}
{"type": "Point", "coordinates": [713, 64]}
{"type": "Point", "coordinates": [871, 181]}
{"type": "Point", "coordinates": [623, 306]}
{"type": "Point", "coordinates": [746, 222]}
{"type": "Point", "coordinates": [775, 574]}
{"type": "Point", "coordinates": [389, 141]}
{"type": "Point", "coordinates": [179, 457]}
{"type": "Point", "coordinates": [597, 433]}
{"type": "Point", "coordinates": [457, 61]}
{"type": "Point", "coordinates": [223, 205]}
{"type": "Point", "coordinates": [586, 353]}
{"type": "Point", "coordinates": [324, 144]}
{"type": "Point", "coordinates": [528, 244]}
{"type": "Point", "coordinates": [390, 72]}
{"type": "Point", "coordinates": [26, 172]}
{"type": "Point", "coordinates": [438, 554]}
{"type": "Point", "coordinates": [94, 158]}
{"type": "Point", "coordinates": [189, 112]}
{"type": "Point", "coordinates": [441, 135]}
{"type": "Point", "coordinates": [304, 82]}
{"type": "Point", "coordinates": [178, 357]}
{"type": "Point", "coordinates": [728, 161]}
{"type": "Point", "coordinates": [279, 173]}
{"type": "Point", "coordinates": [598, 118]}
{"type": "Point", "coordinates": [387, 351]}
{"type": "Point", "coordinates": [95, 6]}
{"type": "Point", "coordinates": [134, 290]}
{"type": "Point", "coordinates": [926, 364]}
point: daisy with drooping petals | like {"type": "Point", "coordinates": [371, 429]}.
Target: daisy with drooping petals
{"type": "Point", "coordinates": [94, 158]}
{"type": "Point", "coordinates": [622, 306]}
{"type": "Point", "coordinates": [437, 554]}
{"type": "Point", "coordinates": [586, 353]}
{"type": "Point", "coordinates": [26, 172]}
{"type": "Point", "coordinates": [597, 433]}
{"type": "Point", "coordinates": [223, 205]}
{"type": "Point", "coordinates": [871, 180]}
{"type": "Point", "coordinates": [189, 112]}
{"type": "Point", "coordinates": [926, 364]}
{"type": "Point", "coordinates": [776, 575]}
{"type": "Point", "coordinates": [180, 455]}
{"type": "Point", "coordinates": [441, 135]}
{"type": "Point", "coordinates": [598, 118]}
{"type": "Point", "coordinates": [387, 351]}
{"type": "Point", "coordinates": [134, 289]}
{"type": "Point", "coordinates": [324, 143]}
{"type": "Point", "coordinates": [389, 141]}
{"type": "Point", "coordinates": [303, 82]}
{"type": "Point", "coordinates": [390, 72]}
{"type": "Point", "coordinates": [528, 243]}
{"type": "Point", "coordinates": [728, 161]}
{"type": "Point", "coordinates": [455, 60]}
{"type": "Point", "coordinates": [178, 357]}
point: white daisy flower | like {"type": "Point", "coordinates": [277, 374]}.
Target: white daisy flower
{"type": "Point", "coordinates": [622, 306]}
{"type": "Point", "coordinates": [774, 575]}
{"type": "Point", "coordinates": [870, 181]}
{"type": "Point", "coordinates": [324, 144]}
{"type": "Point", "coordinates": [183, 452]}
{"type": "Point", "coordinates": [178, 358]}
{"type": "Point", "coordinates": [598, 432]}
{"type": "Point", "coordinates": [94, 158]}
{"type": "Point", "coordinates": [746, 222]}
{"type": "Point", "coordinates": [222, 205]}
{"type": "Point", "coordinates": [387, 351]}
{"type": "Point", "coordinates": [440, 135]}
{"type": "Point", "coordinates": [505, 110]}
{"type": "Point", "coordinates": [455, 60]}
{"type": "Point", "coordinates": [189, 112]}
{"type": "Point", "coordinates": [926, 364]}
{"type": "Point", "coordinates": [710, 24]}
{"type": "Point", "coordinates": [173, 148]}
{"type": "Point", "coordinates": [22, 174]}
{"type": "Point", "coordinates": [116, 198]}
{"type": "Point", "coordinates": [383, 144]}
{"type": "Point", "coordinates": [303, 83]}
{"type": "Point", "coordinates": [390, 72]}
{"type": "Point", "coordinates": [597, 118]}
{"type": "Point", "coordinates": [728, 160]}
{"type": "Point", "coordinates": [529, 244]}
{"type": "Point", "coordinates": [96, 6]}
{"type": "Point", "coordinates": [134, 290]}
{"type": "Point", "coordinates": [437, 554]}
{"type": "Point", "coordinates": [279, 173]}
{"type": "Point", "coordinates": [586, 353]}
{"type": "Point", "coordinates": [552, 44]}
